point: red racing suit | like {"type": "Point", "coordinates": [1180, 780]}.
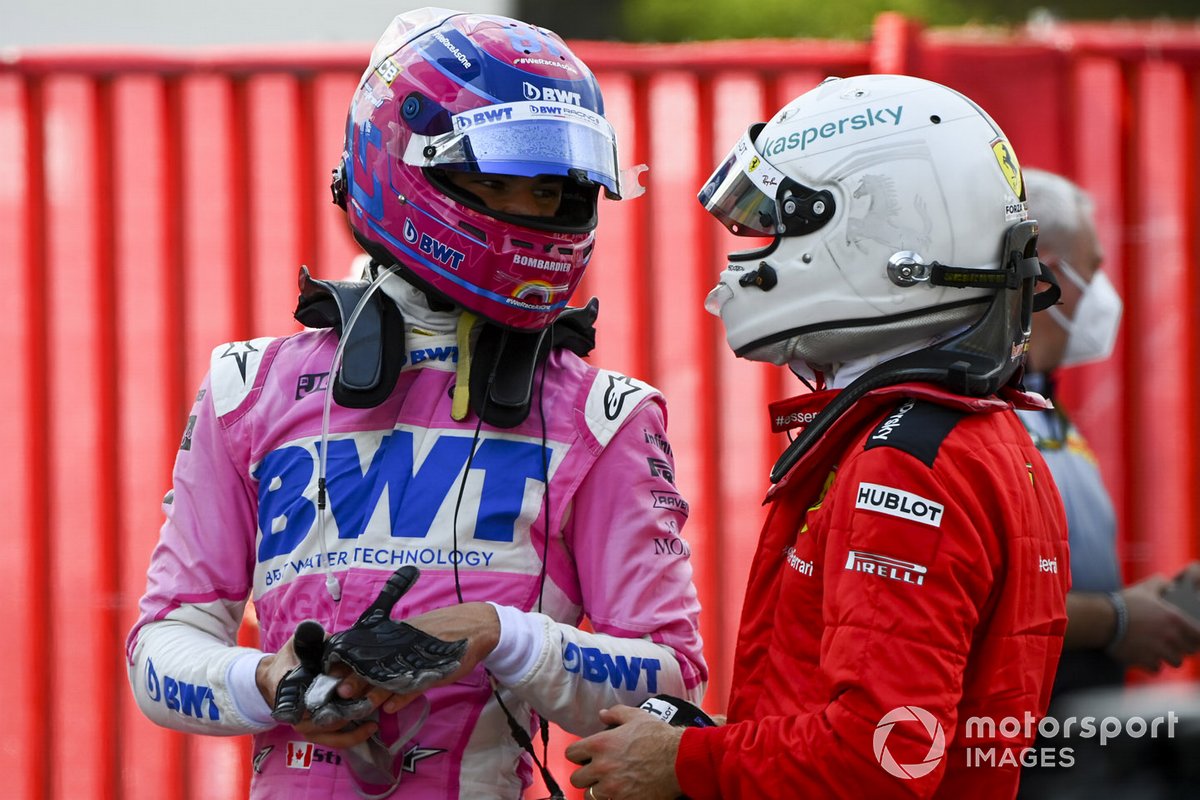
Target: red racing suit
{"type": "Point", "coordinates": [908, 594]}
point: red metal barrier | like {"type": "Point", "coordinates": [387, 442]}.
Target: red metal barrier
{"type": "Point", "coordinates": [157, 204]}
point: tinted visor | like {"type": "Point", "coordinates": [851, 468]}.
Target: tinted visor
{"type": "Point", "coordinates": [526, 139]}
{"type": "Point", "coordinates": [742, 192]}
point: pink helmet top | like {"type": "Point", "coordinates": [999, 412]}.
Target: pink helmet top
{"type": "Point", "coordinates": [447, 91]}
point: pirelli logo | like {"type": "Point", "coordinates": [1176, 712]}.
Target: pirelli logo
{"type": "Point", "coordinates": [883, 567]}
{"type": "Point", "coordinates": [898, 503]}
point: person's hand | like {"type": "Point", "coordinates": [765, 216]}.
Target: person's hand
{"type": "Point", "coordinates": [1190, 574]}
{"type": "Point", "coordinates": [475, 622]}
{"type": "Point", "coordinates": [1157, 632]}
{"type": "Point", "coordinates": [633, 761]}
{"type": "Point", "coordinates": [272, 669]}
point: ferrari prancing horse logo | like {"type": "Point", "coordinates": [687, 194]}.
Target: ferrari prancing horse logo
{"type": "Point", "coordinates": [1007, 160]}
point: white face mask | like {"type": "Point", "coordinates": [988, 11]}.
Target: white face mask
{"type": "Point", "coordinates": [1093, 331]}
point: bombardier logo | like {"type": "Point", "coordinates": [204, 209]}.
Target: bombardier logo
{"type": "Point", "coordinates": [898, 503]}
{"type": "Point", "coordinates": [891, 568]}
{"type": "Point", "coordinates": [541, 263]}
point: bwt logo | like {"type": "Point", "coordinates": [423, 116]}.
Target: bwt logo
{"type": "Point", "coordinates": [596, 666]}
{"type": "Point", "coordinates": [933, 729]}
{"type": "Point", "coordinates": [389, 474]}
{"type": "Point", "coordinates": [433, 354]}
{"type": "Point", "coordinates": [181, 696]}
{"type": "Point", "coordinates": [484, 116]}
{"type": "Point", "coordinates": [549, 93]}
{"type": "Point", "coordinates": [432, 247]}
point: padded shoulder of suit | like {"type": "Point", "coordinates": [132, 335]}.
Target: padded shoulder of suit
{"type": "Point", "coordinates": [233, 369]}
{"type": "Point", "coordinates": [612, 398]}
{"type": "Point", "coordinates": [916, 427]}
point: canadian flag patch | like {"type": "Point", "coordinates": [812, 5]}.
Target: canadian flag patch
{"type": "Point", "coordinates": [300, 755]}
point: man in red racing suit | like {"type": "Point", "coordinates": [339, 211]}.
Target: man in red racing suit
{"type": "Point", "coordinates": [928, 532]}
{"type": "Point", "coordinates": [906, 605]}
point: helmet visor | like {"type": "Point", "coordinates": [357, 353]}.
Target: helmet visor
{"type": "Point", "coordinates": [742, 192]}
{"type": "Point", "coordinates": [525, 139]}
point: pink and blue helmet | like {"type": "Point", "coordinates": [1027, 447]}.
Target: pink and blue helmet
{"type": "Point", "coordinates": [450, 91]}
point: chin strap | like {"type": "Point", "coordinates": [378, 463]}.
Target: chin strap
{"type": "Point", "coordinates": [975, 363]}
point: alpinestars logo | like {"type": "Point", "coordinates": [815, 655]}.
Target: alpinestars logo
{"type": "Point", "coordinates": [933, 728]}
{"type": "Point", "coordinates": [261, 757]}
{"type": "Point", "coordinates": [240, 351]}
{"type": "Point", "coordinates": [619, 388]}
{"type": "Point", "coordinates": [417, 754]}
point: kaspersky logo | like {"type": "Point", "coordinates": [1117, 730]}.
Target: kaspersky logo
{"type": "Point", "coordinates": [915, 718]}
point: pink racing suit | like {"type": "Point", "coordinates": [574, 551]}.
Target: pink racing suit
{"type": "Point", "coordinates": [241, 523]}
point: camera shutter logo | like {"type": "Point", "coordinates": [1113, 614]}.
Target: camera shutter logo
{"type": "Point", "coordinates": [937, 742]}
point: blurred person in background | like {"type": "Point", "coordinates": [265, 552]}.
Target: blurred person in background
{"type": "Point", "coordinates": [458, 432]}
{"type": "Point", "coordinates": [912, 571]}
{"type": "Point", "coordinates": [1110, 627]}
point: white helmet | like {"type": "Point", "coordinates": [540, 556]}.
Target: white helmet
{"type": "Point", "coordinates": [888, 199]}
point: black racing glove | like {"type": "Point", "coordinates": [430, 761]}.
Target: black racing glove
{"type": "Point", "coordinates": [390, 654]}
{"type": "Point", "coordinates": [309, 643]}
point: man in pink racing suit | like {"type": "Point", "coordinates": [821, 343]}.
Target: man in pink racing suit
{"type": "Point", "coordinates": [459, 432]}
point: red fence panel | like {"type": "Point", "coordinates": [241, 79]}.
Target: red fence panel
{"type": "Point", "coordinates": [161, 204]}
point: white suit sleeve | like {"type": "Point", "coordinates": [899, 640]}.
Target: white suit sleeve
{"type": "Point", "coordinates": [185, 668]}
{"type": "Point", "coordinates": [625, 534]}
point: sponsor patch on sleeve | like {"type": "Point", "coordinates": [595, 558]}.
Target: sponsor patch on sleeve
{"type": "Point", "coordinates": [916, 428]}
{"type": "Point", "coordinates": [612, 398]}
{"type": "Point", "coordinates": [899, 503]}
{"type": "Point", "coordinates": [234, 368]}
